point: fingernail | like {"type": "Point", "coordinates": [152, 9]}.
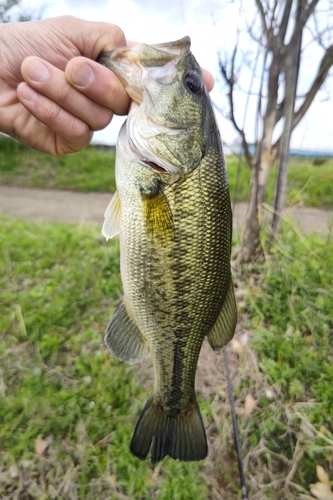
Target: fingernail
{"type": "Point", "coordinates": [36, 71]}
{"type": "Point", "coordinates": [82, 75]}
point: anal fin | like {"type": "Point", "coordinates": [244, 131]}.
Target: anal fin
{"type": "Point", "coordinates": [225, 325]}
{"type": "Point", "coordinates": [123, 337]}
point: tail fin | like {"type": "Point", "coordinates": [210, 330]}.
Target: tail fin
{"type": "Point", "coordinates": [181, 437]}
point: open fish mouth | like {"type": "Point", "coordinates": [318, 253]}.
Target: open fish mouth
{"type": "Point", "coordinates": [142, 135]}
{"type": "Point", "coordinates": [135, 64]}
{"type": "Point", "coordinates": [149, 132]}
{"type": "Point", "coordinates": [155, 166]}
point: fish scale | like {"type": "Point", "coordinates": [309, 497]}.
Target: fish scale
{"type": "Point", "coordinates": [174, 224]}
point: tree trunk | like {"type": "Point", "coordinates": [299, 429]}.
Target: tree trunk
{"type": "Point", "coordinates": [291, 77]}
{"type": "Point", "coordinates": [261, 167]}
{"type": "Point", "coordinates": [275, 20]}
{"type": "Point", "coordinates": [252, 229]}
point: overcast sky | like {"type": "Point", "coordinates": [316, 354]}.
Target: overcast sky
{"type": "Point", "coordinates": [211, 24]}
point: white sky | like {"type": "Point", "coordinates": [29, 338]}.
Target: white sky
{"type": "Point", "coordinates": [210, 24]}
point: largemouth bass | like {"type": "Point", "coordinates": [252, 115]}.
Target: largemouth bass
{"type": "Point", "coordinates": [172, 213]}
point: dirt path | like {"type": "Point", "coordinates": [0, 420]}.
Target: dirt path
{"type": "Point", "coordinates": [68, 206]}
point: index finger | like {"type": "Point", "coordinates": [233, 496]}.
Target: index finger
{"type": "Point", "coordinates": [98, 83]}
{"type": "Point", "coordinates": [209, 79]}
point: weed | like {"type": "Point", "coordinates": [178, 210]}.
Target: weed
{"type": "Point", "coordinates": [307, 183]}
{"type": "Point", "coordinates": [292, 322]}
{"type": "Point", "coordinates": [88, 170]}
{"type": "Point", "coordinates": [59, 286]}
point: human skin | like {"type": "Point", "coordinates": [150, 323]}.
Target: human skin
{"type": "Point", "coordinates": [53, 94]}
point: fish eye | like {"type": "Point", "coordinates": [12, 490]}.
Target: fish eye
{"type": "Point", "coordinates": [193, 82]}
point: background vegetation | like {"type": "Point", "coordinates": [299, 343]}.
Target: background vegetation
{"type": "Point", "coordinates": [310, 181]}
{"type": "Point", "coordinates": [60, 287]}
{"type": "Point", "coordinates": [67, 409]}
{"type": "Point", "coordinates": [88, 170]}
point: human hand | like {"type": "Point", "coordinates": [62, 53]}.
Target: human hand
{"type": "Point", "coordinates": [52, 98]}
{"type": "Point", "coordinates": [39, 107]}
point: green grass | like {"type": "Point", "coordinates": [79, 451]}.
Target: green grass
{"type": "Point", "coordinates": [309, 184]}
{"type": "Point", "coordinates": [93, 170]}
{"type": "Point", "coordinates": [59, 285]}
{"type": "Point", "coordinates": [291, 315]}
{"type": "Point", "coordinates": [88, 170]}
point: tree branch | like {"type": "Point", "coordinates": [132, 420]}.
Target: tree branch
{"type": "Point", "coordinates": [325, 65]}
{"type": "Point", "coordinates": [262, 16]}
{"type": "Point", "coordinates": [302, 20]}
{"type": "Point", "coordinates": [272, 19]}
{"type": "Point", "coordinates": [284, 21]}
{"type": "Point", "coordinates": [308, 11]}
{"type": "Point", "coordinates": [231, 80]}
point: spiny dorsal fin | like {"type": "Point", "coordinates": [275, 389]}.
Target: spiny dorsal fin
{"type": "Point", "coordinates": [225, 325]}
{"type": "Point", "coordinates": [111, 226]}
{"type": "Point", "coordinates": [123, 337]}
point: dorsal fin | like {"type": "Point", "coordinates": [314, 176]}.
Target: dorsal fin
{"type": "Point", "coordinates": [225, 325]}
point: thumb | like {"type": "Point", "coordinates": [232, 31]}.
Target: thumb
{"type": "Point", "coordinates": [89, 77]}
{"type": "Point", "coordinates": [97, 37]}
{"type": "Point", "coordinates": [85, 38]}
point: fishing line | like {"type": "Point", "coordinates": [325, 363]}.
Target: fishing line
{"type": "Point", "coordinates": [235, 424]}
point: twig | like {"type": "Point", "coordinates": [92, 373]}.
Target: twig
{"type": "Point", "coordinates": [292, 471]}
{"type": "Point", "coordinates": [312, 427]}
{"type": "Point", "coordinates": [236, 430]}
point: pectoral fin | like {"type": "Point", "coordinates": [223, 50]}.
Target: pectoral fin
{"type": "Point", "coordinates": [111, 226]}
{"type": "Point", "coordinates": [225, 325]}
{"type": "Point", "coordinates": [123, 337]}
{"type": "Point", "coordinates": [158, 219]}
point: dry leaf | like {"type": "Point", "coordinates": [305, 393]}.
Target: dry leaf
{"type": "Point", "coordinates": [289, 331]}
{"type": "Point", "coordinates": [270, 394]}
{"type": "Point", "coordinates": [322, 476]}
{"type": "Point", "coordinates": [322, 490]}
{"type": "Point", "coordinates": [240, 292]}
{"type": "Point", "coordinates": [41, 445]}
{"type": "Point", "coordinates": [250, 404]}
{"type": "Point", "coordinates": [245, 338]}
{"type": "Point", "coordinates": [236, 346]}
{"type": "Point", "coordinates": [13, 471]}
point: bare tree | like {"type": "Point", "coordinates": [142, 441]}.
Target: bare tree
{"type": "Point", "coordinates": [277, 29]}
{"type": "Point", "coordinates": [5, 7]}
{"type": "Point", "coordinates": [8, 13]}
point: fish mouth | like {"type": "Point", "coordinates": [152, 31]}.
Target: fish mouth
{"type": "Point", "coordinates": [142, 133]}
{"type": "Point", "coordinates": [155, 166]}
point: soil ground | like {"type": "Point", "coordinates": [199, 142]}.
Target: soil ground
{"type": "Point", "coordinates": [67, 206]}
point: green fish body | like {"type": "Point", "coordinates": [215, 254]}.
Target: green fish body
{"type": "Point", "coordinates": [172, 213]}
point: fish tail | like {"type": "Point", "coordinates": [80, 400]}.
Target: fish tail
{"type": "Point", "coordinates": [182, 436]}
